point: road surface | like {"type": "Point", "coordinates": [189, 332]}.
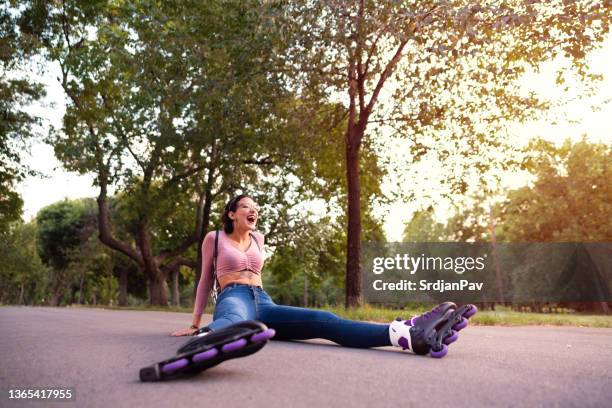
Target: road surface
{"type": "Point", "coordinates": [98, 353]}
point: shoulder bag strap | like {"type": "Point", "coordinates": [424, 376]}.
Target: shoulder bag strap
{"type": "Point", "coordinates": [215, 288]}
{"type": "Point", "coordinates": [256, 241]}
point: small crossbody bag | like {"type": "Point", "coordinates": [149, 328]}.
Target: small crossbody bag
{"type": "Point", "coordinates": [216, 285]}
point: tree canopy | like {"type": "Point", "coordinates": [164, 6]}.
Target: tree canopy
{"type": "Point", "coordinates": [180, 105]}
{"type": "Point", "coordinates": [570, 200]}
{"type": "Point", "coordinates": [451, 68]}
{"type": "Point", "coordinates": [17, 125]}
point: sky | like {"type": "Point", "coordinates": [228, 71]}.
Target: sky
{"type": "Point", "coordinates": [590, 116]}
{"type": "Point", "coordinates": [57, 184]}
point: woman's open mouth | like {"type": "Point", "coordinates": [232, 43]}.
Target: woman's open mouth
{"type": "Point", "coordinates": [251, 219]}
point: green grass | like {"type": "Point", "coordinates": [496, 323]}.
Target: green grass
{"type": "Point", "coordinates": [502, 316]}
{"type": "Point", "coordinates": [145, 308]}
{"type": "Point", "coordinates": [512, 318]}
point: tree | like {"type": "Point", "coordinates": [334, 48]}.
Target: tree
{"type": "Point", "coordinates": [474, 222]}
{"type": "Point", "coordinates": [311, 254]}
{"type": "Point", "coordinates": [16, 124]}
{"type": "Point", "coordinates": [569, 202]}
{"type": "Point", "coordinates": [23, 275]}
{"type": "Point", "coordinates": [422, 227]}
{"type": "Point", "coordinates": [571, 199]}
{"type": "Point", "coordinates": [64, 231]}
{"type": "Point", "coordinates": [172, 221]}
{"type": "Point", "coordinates": [451, 66]}
{"type": "Point", "coordinates": [178, 102]}
{"type": "Point", "coordinates": [165, 99]}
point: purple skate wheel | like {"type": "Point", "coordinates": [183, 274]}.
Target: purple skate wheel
{"type": "Point", "coordinates": [263, 336]}
{"type": "Point", "coordinates": [452, 338]}
{"type": "Point", "coordinates": [461, 325]}
{"type": "Point", "coordinates": [441, 353]}
{"type": "Point", "coordinates": [234, 345]}
{"type": "Point", "coordinates": [175, 365]}
{"type": "Point", "coordinates": [205, 355]}
{"type": "Point", "coordinates": [471, 312]}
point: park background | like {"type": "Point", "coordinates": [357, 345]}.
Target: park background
{"type": "Point", "coordinates": [491, 122]}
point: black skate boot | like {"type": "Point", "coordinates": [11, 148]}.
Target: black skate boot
{"type": "Point", "coordinates": [432, 331]}
{"type": "Point", "coordinates": [210, 348]}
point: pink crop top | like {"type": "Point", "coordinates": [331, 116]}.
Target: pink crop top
{"type": "Point", "coordinates": [229, 259]}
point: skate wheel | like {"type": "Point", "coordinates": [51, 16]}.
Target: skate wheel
{"type": "Point", "coordinates": [263, 336]}
{"type": "Point", "coordinates": [452, 338]}
{"type": "Point", "coordinates": [461, 325]}
{"type": "Point", "coordinates": [234, 345]}
{"type": "Point", "coordinates": [441, 353]}
{"type": "Point", "coordinates": [175, 365]}
{"type": "Point", "coordinates": [471, 312]}
{"type": "Point", "coordinates": [205, 355]}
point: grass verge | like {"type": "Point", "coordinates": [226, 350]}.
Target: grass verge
{"type": "Point", "coordinates": [502, 316]}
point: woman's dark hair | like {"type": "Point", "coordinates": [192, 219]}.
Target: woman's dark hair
{"type": "Point", "coordinates": [228, 223]}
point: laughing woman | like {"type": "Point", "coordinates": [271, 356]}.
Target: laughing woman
{"type": "Point", "coordinates": [240, 259]}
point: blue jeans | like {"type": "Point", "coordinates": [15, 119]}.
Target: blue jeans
{"type": "Point", "coordinates": [238, 302]}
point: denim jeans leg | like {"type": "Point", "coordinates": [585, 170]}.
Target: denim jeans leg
{"type": "Point", "coordinates": [234, 304]}
{"type": "Point", "coordinates": [295, 323]}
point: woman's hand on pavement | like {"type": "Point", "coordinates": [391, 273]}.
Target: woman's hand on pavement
{"type": "Point", "coordinates": [184, 332]}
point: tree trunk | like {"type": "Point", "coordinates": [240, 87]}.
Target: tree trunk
{"type": "Point", "coordinates": [353, 253]}
{"type": "Point", "coordinates": [305, 290]}
{"type": "Point", "coordinates": [498, 274]}
{"type": "Point", "coordinates": [359, 112]}
{"type": "Point", "coordinates": [123, 279]}
{"type": "Point", "coordinates": [81, 284]}
{"type": "Point", "coordinates": [176, 301]}
{"type": "Point", "coordinates": [57, 291]}
{"type": "Point", "coordinates": [158, 289]}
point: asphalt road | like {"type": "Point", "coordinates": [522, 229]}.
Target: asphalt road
{"type": "Point", "coordinates": [99, 352]}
